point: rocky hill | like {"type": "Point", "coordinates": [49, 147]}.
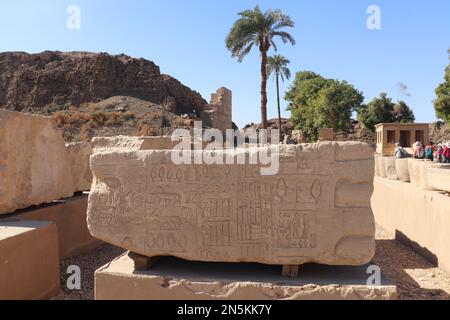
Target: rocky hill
{"type": "Point", "coordinates": [96, 94]}
{"type": "Point", "coordinates": [57, 80]}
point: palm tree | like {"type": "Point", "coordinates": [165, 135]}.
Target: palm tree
{"type": "Point", "coordinates": [277, 64]}
{"type": "Point", "coordinates": [255, 28]}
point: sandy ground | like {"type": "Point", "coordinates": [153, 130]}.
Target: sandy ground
{"type": "Point", "coordinates": [415, 277]}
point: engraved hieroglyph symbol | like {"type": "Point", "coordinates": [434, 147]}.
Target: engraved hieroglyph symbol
{"type": "Point", "coordinates": [281, 190]}
{"type": "Point", "coordinates": [216, 233]}
{"type": "Point", "coordinates": [296, 229]}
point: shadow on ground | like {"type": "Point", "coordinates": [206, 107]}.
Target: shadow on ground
{"type": "Point", "coordinates": [395, 259]}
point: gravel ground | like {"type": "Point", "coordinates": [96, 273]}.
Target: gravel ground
{"type": "Point", "coordinates": [415, 277]}
{"type": "Point", "coordinates": [88, 263]}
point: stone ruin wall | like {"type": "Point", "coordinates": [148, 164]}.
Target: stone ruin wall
{"type": "Point", "coordinates": [218, 114]}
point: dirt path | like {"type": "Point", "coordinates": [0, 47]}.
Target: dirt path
{"type": "Point", "coordinates": [414, 276]}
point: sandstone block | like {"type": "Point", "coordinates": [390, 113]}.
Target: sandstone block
{"type": "Point", "coordinates": [34, 166]}
{"type": "Point", "coordinates": [129, 143]}
{"type": "Point", "coordinates": [439, 178]}
{"type": "Point", "coordinates": [79, 154]}
{"type": "Point", "coordinates": [421, 216]}
{"type": "Point", "coordinates": [29, 262]}
{"type": "Point", "coordinates": [316, 209]}
{"type": "Point", "coordinates": [382, 167]}
{"type": "Point", "coordinates": [174, 279]}
{"type": "Point", "coordinates": [402, 169]}
{"type": "Point", "coordinates": [389, 165]}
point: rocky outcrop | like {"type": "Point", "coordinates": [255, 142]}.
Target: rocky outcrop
{"type": "Point", "coordinates": [54, 80]}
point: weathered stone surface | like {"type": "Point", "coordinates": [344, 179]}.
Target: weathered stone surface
{"type": "Point", "coordinates": [389, 165]}
{"type": "Point", "coordinates": [316, 209]}
{"type": "Point", "coordinates": [218, 114]}
{"type": "Point", "coordinates": [418, 215]}
{"type": "Point", "coordinates": [439, 178]}
{"type": "Point", "coordinates": [377, 172]}
{"type": "Point", "coordinates": [79, 153]}
{"type": "Point", "coordinates": [34, 165]}
{"type": "Point", "coordinates": [174, 279]}
{"type": "Point", "coordinates": [421, 176]}
{"type": "Point", "coordinates": [382, 167]}
{"type": "Point", "coordinates": [414, 171]}
{"type": "Point", "coordinates": [129, 143]}
{"type": "Point", "coordinates": [402, 169]}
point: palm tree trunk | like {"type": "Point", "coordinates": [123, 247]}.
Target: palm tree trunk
{"type": "Point", "coordinates": [279, 111]}
{"type": "Point", "coordinates": [264, 88]}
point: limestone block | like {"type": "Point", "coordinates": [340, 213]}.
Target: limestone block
{"type": "Point", "coordinates": [382, 167]}
{"type": "Point", "coordinates": [402, 169]}
{"type": "Point", "coordinates": [316, 209]}
{"type": "Point", "coordinates": [29, 262]}
{"type": "Point", "coordinates": [174, 279]}
{"type": "Point", "coordinates": [439, 178]}
{"type": "Point", "coordinates": [389, 165]}
{"type": "Point", "coordinates": [131, 143]}
{"type": "Point", "coordinates": [34, 166]}
{"type": "Point", "coordinates": [79, 154]}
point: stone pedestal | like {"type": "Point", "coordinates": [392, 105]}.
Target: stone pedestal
{"type": "Point", "coordinates": [175, 279]}
{"type": "Point", "coordinates": [29, 264]}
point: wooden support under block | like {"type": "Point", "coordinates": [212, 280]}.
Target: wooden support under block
{"type": "Point", "coordinates": [290, 271]}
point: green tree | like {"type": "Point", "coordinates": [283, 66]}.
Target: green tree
{"type": "Point", "coordinates": [382, 110]}
{"type": "Point", "coordinates": [316, 102]}
{"type": "Point", "coordinates": [255, 28]}
{"type": "Point", "coordinates": [442, 102]}
{"type": "Point", "coordinates": [277, 65]}
{"type": "Point", "coordinates": [403, 113]}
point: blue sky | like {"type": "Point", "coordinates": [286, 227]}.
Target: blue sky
{"type": "Point", "coordinates": [186, 39]}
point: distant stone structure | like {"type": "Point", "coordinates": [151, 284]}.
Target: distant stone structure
{"type": "Point", "coordinates": [326, 134]}
{"type": "Point", "coordinates": [316, 209]}
{"type": "Point", "coordinates": [388, 134]}
{"type": "Point", "coordinates": [218, 114]}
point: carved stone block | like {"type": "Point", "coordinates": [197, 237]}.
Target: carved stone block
{"type": "Point", "coordinates": [316, 209]}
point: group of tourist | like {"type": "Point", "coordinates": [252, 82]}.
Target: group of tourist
{"type": "Point", "coordinates": [439, 153]}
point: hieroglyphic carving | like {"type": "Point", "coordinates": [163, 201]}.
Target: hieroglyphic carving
{"type": "Point", "coordinates": [231, 212]}
{"type": "Point", "coordinates": [296, 229]}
